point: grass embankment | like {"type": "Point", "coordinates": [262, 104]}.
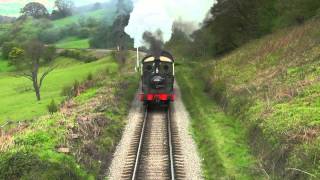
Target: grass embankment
{"type": "Point", "coordinates": [31, 151]}
{"type": "Point", "coordinates": [17, 97]}
{"type": "Point", "coordinates": [221, 139]}
{"type": "Point", "coordinates": [73, 43]}
{"type": "Point", "coordinates": [272, 86]}
{"type": "Point", "coordinates": [106, 14]}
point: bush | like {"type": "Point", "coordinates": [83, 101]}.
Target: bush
{"type": "Point", "coordinates": [7, 48]}
{"type": "Point", "coordinates": [71, 30]}
{"type": "Point", "coordinates": [67, 92]}
{"type": "Point", "coordinates": [50, 36]}
{"type": "Point", "coordinates": [90, 77]}
{"type": "Point", "coordinates": [52, 107]}
{"type": "Point", "coordinates": [79, 55]}
{"type": "Point", "coordinates": [28, 165]}
{"type": "Point", "coordinates": [49, 53]}
{"type": "Point", "coordinates": [84, 33]}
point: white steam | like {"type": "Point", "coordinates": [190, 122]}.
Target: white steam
{"type": "Point", "coordinates": [152, 15]}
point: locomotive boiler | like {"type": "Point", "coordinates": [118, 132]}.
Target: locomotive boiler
{"type": "Point", "coordinates": [157, 76]}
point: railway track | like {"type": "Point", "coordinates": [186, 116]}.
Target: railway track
{"type": "Point", "coordinates": [154, 152]}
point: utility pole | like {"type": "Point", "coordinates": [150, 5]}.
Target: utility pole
{"type": "Point", "coordinates": [138, 61]}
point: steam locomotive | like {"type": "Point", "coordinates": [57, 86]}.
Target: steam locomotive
{"type": "Point", "coordinates": [157, 76]}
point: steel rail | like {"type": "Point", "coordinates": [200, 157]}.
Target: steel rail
{"type": "Point", "coordinates": [172, 170]}
{"type": "Point", "coordinates": [136, 165]}
{"type": "Point", "coordinates": [140, 146]}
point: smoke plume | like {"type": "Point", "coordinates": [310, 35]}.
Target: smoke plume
{"type": "Point", "coordinates": [152, 15]}
{"type": "Point", "coordinates": [154, 42]}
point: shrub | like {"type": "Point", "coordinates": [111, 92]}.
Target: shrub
{"type": "Point", "coordinates": [67, 91]}
{"type": "Point", "coordinates": [76, 88]}
{"type": "Point", "coordinates": [52, 107]}
{"type": "Point", "coordinates": [84, 33]}
{"type": "Point", "coordinates": [70, 30]}
{"type": "Point", "coordinates": [79, 55]}
{"type": "Point", "coordinates": [49, 53]}
{"type": "Point", "coordinates": [7, 48]}
{"type": "Point", "coordinates": [28, 165]}
{"type": "Point", "coordinates": [90, 77]}
{"type": "Point", "coordinates": [50, 36]}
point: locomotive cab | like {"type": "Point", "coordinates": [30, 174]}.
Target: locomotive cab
{"type": "Point", "coordinates": [157, 79]}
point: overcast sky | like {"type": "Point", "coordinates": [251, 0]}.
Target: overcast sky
{"type": "Point", "coordinates": [12, 7]}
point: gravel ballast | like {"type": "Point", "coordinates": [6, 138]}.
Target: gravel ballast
{"type": "Point", "coordinates": [191, 160]}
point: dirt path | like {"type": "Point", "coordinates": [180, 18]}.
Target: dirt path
{"type": "Point", "coordinates": [189, 159]}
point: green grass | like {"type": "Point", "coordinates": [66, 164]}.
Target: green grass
{"type": "Point", "coordinates": [4, 66]}
{"type": "Point", "coordinates": [18, 100]}
{"type": "Point", "coordinates": [33, 152]}
{"type": "Point", "coordinates": [221, 139]}
{"type": "Point", "coordinates": [4, 28]}
{"type": "Point", "coordinates": [272, 86]}
{"type": "Point", "coordinates": [108, 14]}
{"type": "Point", "coordinates": [73, 43]}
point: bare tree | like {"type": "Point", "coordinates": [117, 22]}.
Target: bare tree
{"type": "Point", "coordinates": [28, 61]}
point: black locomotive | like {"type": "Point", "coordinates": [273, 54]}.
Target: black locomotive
{"type": "Point", "coordinates": [157, 73]}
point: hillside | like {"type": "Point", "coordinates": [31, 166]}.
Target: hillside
{"type": "Point", "coordinates": [70, 32]}
{"type": "Point", "coordinates": [73, 42]}
{"type": "Point", "coordinates": [106, 15]}
{"type": "Point", "coordinates": [69, 71]}
{"type": "Point", "coordinates": [92, 104]}
{"type": "Point", "coordinates": [6, 19]}
{"type": "Point", "coordinates": [270, 86]}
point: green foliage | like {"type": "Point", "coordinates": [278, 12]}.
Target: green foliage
{"type": "Point", "coordinates": [112, 36]}
{"type": "Point", "coordinates": [67, 72]}
{"type": "Point", "coordinates": [221, 139]}
{"type": "Point", "coordinates": [34, 156]}
{"type": "Point", "coordinates": [50, 36]}
{"type": "Point", "coordinates": [79, 55]}
{"type": "Point", "coordinates": [73, 42]}
{"type": "Point", "coordinates": [6, 49]}
{"type": "Point", "coordinates": [49, 53]}
{"type": "Point", "coordinates": [236, 22]}
{"type": "Point", "coordinates": [15, 54]}
{"type": "Point", "coordinates": [35, 9]}
{"type": "Point", "coordinates": [102, 15]}
{"type": "Point", "coordinates": [271, 85]}
{"type": "Point", "coordinates": [52, 107]}
{"type": "Point", "coordinates": [64, 7]}
{"type": "Point", "coordinates": [296, 11]}
{"type": "Point", "coordinates": [4, 66]}
{"type": "Point", "coordinates": [90, 77]}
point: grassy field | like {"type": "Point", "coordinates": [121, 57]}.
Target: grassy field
{"type": "Point", "coordinates": [73, 43]}
{"type": "Point", "coordinates": [18, 100]}
{"type": "Point", "coordinates": [4, 66]}
{"type": "Point", "coordinates": [32, 152]}
{"type": "Point", "coordinates": [272, 86]}
{"type": "Point", "coordinates": [220, 138]}
{"type": "Point", "coordinates": [107, 14]}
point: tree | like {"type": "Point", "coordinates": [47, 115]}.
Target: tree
{"type": "Point", "coordinates": [112, 36]}
{"type": "Point", "coordinates": [35, 9]}
{"type": "Point", "coordinates": [7, 48]}
{"type": "Point", "coordinates": [64, 7]}
{"type": "Point", "coordinates": [96, 6]}
{"type": "Point", "coordinates": [49, 53]}
{"type": "Point", "coordinates": [28, 60]}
